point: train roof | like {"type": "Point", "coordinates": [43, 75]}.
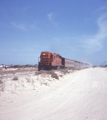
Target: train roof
{"type": "Point", "coordinates": [76, 61]}
{"type": "Point", "coordinates": [51, 53]}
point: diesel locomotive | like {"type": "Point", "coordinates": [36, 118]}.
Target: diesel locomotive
{"type": "Point", "coordinates": [50, 61]}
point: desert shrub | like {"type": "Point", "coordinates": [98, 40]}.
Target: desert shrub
{"type": "Point", "coordinates": [78, 68]}
{"type": "Point", "coordinates": [2, 85]}
{"type": "Point", "coordinates": [1, 81]}
{"type": "Point", "coordinates": [61, 75]}
{"type": "Point", "coordinates": [54, 75]}
{"type": "Point", "coordinates": [43, 72]}
{"type": "Point", "coordinates": [64, 71]}
{"type": "Point", "coordinates": [105, 66]}
{"type": "Point", "coordinates": [46, 84]}
{"type": "Point", "coordinates": [15, 78]}
{"type": "Point", "coordinates": [18, 69]}
{"type": "Point", "coordinates": [94, 66]}
{"type": "Point", "coordinates": [28, 80]}
{"type": "Point", "coordinates": [40, 72]}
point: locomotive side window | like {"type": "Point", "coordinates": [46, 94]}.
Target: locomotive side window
{"type": "Point", "coordinates": [51, 56]}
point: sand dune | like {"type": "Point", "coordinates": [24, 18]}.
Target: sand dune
{"type": "Point", "coordinates": [77, 95]}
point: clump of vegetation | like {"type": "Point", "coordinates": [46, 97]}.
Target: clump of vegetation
{"type": "Point", "coordinates": [2, 85]}
{"type": "Point", "coordinates": [78, 68]}
{"type": "Point", "coordinates": [15, 78]}
{"type": "Point", "coordinates": [61, 75]}
{"type": "Point", "coordinates": [28, 80]}
{"type": "Point", "coordinates": [43, 72]}
{"type": "Point", "coordinates": [1, 81]}
{"type": "Point", "coordinates": [40, 72]}
{"type": "Point", "coordinates": [19, 69]}
{"type": "Point", "coordinates": [64, 71]}
{"type": "Point", "coordinates": [54, 75]}
{"type": "Point", "coordinates": [105, 66]}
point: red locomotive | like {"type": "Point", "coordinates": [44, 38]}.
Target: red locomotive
{"type": "Point", "coordinates": [50, 61]}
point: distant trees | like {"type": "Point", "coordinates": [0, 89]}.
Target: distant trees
{"type": "Point", "coordinates": [24, 66]}
{"type": "Point", "coordinates": [17, 66]}
{"type": "Point", "coordinates": [105, 66]}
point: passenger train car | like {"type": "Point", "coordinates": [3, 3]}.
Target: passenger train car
{"type": "Point", "coordinates": [50, 61]}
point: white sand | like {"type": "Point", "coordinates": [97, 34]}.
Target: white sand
{"type": "Point", "coordinates": [81, 95]}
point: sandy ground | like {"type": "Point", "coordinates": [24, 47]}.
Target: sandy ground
{"type": "Point", "coordinates": [78, 95]}
{"type": "Point", "coordinates": [4, 71]}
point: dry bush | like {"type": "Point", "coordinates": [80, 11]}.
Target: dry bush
{"type": "Point", "coordinates": [15, 78]}
{"type": "Point", "coordinates": [52, 73]}
{"type": "Point", "coordinates": [79, 69]}
{"type": "Point", "coordinates": [40, 72]}
{"type": "Point", "coordinates": [1, 81]}
{"type": "Point", "coordinates": [44, 83]}
{"type": "Point", "coordinates": [64, 71]}
{"type": "Point", "coordinates": [105, 66]}
{"type": "Point", "coordinates": [28, 80]}
{"type": "Point", "coordinates": [2, 85]}
{"type": "Point", "coordinates": [19, 69]}
{"type": "Point", "coordinates": [61, 75]}
{"type": "Point", "coordinates": [94, 66]}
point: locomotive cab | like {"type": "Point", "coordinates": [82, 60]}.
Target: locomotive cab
{"type": "Point", "coordinates": [46, 59]}
{"type": "Point", "coordinates": [49, 61]}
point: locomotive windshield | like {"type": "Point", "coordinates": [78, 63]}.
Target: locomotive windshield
{"type": "Point", "coordinates": [44, 55]}
{"type": "Point", "coordinates": [51, 56]}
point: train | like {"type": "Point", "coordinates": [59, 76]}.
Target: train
{"type": "Point", "coordinates": [49, 61]}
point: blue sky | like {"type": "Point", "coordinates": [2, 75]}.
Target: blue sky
{"type": "Point", "coordinates": [76, 29]}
